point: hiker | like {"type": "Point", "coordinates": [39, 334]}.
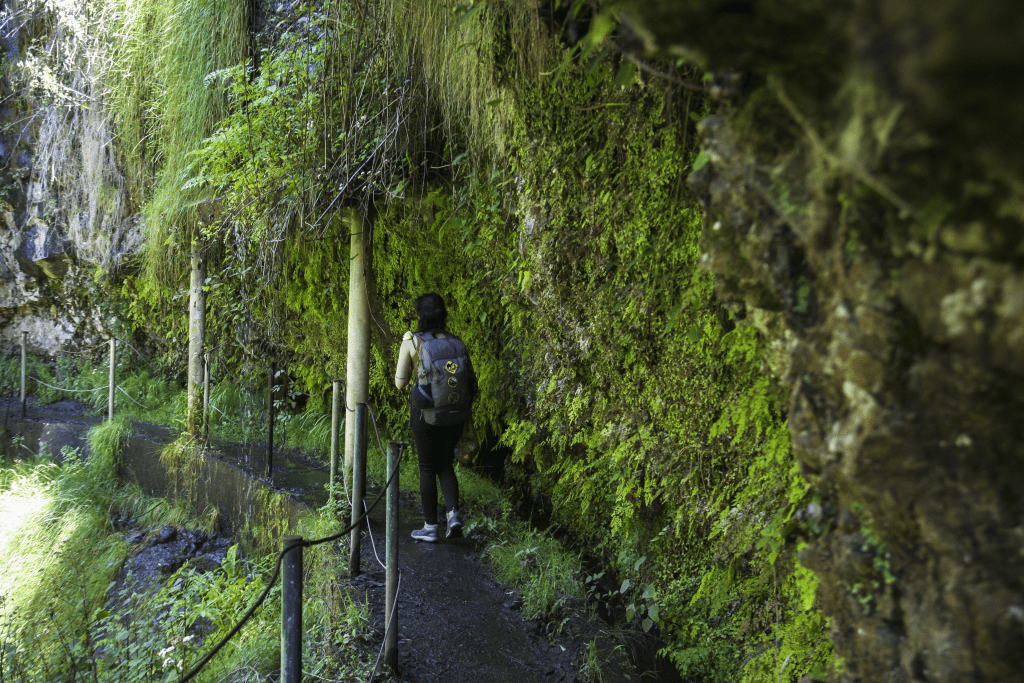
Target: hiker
{"type": "Point", "coordinates": [440, 398]}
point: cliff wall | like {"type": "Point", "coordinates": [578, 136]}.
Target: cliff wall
{"type": "Point", "coordinates": [864, 205]}
{"type": "Point", "coordinates": [65, 215]}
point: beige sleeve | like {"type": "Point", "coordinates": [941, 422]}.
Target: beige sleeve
{"type": "Point", "coordinates": [406, 366]}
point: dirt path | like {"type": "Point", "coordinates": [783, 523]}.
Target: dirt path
{"type": "Point", "coordinates": [455, 623]}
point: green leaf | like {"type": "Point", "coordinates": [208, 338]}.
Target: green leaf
{"type": "Point", "coordinates": [604, 23]}
{"type": "Point", "coordinates": [625, 586]}
{"type": "Point", "coordinates": [647, 625]}
{"type": "Point", "coordinates": [626, 74]}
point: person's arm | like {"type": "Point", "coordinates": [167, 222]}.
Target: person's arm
{"type": "Point", "coordinates": [403, 373]}
{"type": "Point", "coordinates": [405, 370]}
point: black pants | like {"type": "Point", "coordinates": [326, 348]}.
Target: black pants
{"type": "Point", "coordinates": [435, 448]}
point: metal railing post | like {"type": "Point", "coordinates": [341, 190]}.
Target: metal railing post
{"type": "Point", "coordinates": [335, 433]}
{"type": "Point", "coordinates": [291, 610]}
{"type": "Point", "coordinates": [24, 388]}
{"type": "Point", "coordinates": [110, 384]}
{"type": "Point", "coordinates": [391, 563]}
{"type": "Point", "coordinates": [270, 419]}
{"type": "Point", "coordinates": [358, 485]}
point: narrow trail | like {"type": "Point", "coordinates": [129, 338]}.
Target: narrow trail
{"type": "Point", "coordinates": [456, 624]}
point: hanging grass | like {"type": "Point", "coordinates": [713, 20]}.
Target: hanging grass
{"type": "Point", "coordinates": [164, 105]}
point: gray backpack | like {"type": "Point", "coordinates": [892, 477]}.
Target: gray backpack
{"type": "Point", "coordinates": [445, 375]}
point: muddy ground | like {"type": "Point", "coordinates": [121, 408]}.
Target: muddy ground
{"type": "Point", "coordinates": [457, 624]}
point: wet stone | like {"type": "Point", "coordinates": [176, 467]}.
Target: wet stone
{"type": "Point", "coordinates": [165, 535]}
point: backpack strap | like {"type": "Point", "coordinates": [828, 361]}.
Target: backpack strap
{"type": "Point", "coordinates": [422, 337]}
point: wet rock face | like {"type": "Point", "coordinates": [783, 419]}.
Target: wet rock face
{"type": "Point", "coordinates": [866, 213]}
{"type": "Point", "coordinates": [43, 252]}
{"type": "Point", "coordinates": [64, 206]}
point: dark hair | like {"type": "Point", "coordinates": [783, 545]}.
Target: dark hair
{"type": "Point", "coordinates": [431, 311]}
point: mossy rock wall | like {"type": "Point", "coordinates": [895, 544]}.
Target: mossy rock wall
{"type": "Point", "coordinates": [864, 199]}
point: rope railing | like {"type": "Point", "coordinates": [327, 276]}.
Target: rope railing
{"type": "Point", "coordinates": [387, 630]}
{"type": "Point", "coordinates": [225, 416]}
{"type": "Point", "coordinates": [118, 387]}
{"type": "Point", "coordinates": [360, 521]}
{"type": "Point", "coordinates": [85, 391]}
{"type": "Point", "coordinates": [121, 389]}
{"type": "Point", "coordinates": [84, 352]}
{"type": "Point", "coordinates": [380, 445]}
{"type": "Point", "coordinates": [139, 353]}
{"type": "Point", "coordinates": [194, 671]}
{"type": "Point", "coordinates": [72, 391]}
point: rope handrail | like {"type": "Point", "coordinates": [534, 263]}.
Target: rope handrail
{"type": "Point", "coordinates": [132, 399]}
{"type": "Point", "coordinates": [387, 629]}
{"type": "Point", "coordinates": [152, 410]}
{"type": "Point", "coordinates": [239, 424]}
{"type": "Point", "coordinates": [373, 545]}
{"type": "Point", "coordinates": [273, 579]}
{"type": "Point", "coordinates": [364, 517]}
{"type": "Point", "coordinates": [84, 352]}
{"type": "Point", "coordinates": [125, 342]}
{"type": "Point", "coordinates": [369, 531]}
{"type": "Point", "coordinates": [73, 391]}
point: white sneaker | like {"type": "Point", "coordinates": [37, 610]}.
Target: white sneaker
{"type": "Point", "coordinates": [454, 525]}
{"type": "Point", "coordinates": [428, 534]}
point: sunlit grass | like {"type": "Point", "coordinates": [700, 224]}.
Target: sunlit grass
{"type": "Point", "coordinates": [60, 553]}
{"type": "Point", "coordinates": [22, 507]}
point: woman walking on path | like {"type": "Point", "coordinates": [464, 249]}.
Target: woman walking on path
{"type": "Point", "coordinates": [435, 437]}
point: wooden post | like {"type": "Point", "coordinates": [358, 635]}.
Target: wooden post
{"type": "Point", "coordinates": [196, 338]}
{"type": "Point", "coordinates": [358, 486]}
{"type": "Point", "coordinates": [291, 610]}
{"type": "Point", "coordinates": [24, 373]}
{"type": "Point", "coordinates": [270, 420]}
{"type": "Point", "coordinates": [206, 397]}
{"type": "Point", "coordinates": [391, 563]}
{"type": "Point", "coordinates": [357, 385]}
{"type": "Point", "coordinates": [335, 429]}
{"type": "Point", "coordinates": [111, 385]}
